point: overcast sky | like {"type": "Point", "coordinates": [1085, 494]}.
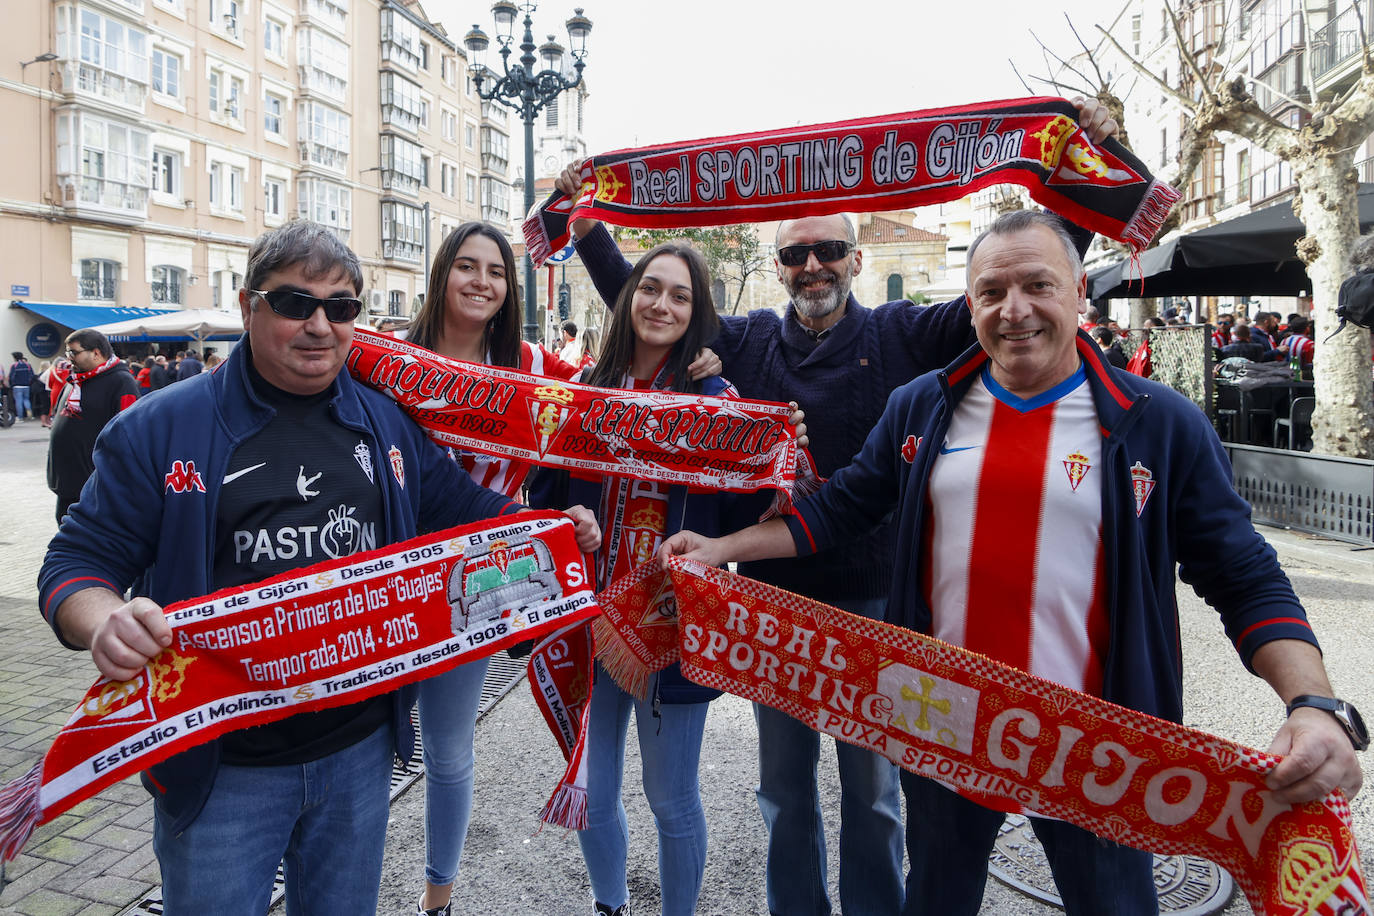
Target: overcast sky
{"type": "Point", "coordinates": [661, 71]}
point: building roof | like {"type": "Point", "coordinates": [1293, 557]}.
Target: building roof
{"type": "Point", "coordinates": [881, 229]}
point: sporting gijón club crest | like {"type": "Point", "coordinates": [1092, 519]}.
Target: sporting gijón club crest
{"type": "Point", "coordinates": [549, 413]}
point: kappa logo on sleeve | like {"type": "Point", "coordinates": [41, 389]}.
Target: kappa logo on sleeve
{"type": "Point", "coordinates": [909, 448]}
{"type": "Point", "coordinates": [183, 478]}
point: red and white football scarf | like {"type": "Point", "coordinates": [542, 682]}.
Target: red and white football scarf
{"type": "Point", "coordinates": [321, 636]}
{"type": "Point", "coordinates": [700, 441]}
{"type": "Point", "coordinates": [889, 162]}
{"type": "Point", "coordinates": [560, 670]}
{"type": "Point", "coordinates": [73, 406]}
{"type": "Point", "coordinates": [986, 729]}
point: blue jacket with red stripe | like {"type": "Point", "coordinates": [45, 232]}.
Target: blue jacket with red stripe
{"type": "Point", "coordinates": [146, 517]}
{"type": "Point", "coordinates": [1191, 517]}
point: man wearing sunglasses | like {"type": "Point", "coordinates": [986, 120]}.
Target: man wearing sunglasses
{"type": "Point", "coordinates": [839, 361]}
{"type": "Point", "coordinates": [275, 461]}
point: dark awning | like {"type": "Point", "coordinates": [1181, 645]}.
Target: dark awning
{"type": "Point", "coordinates": [1251, 255]}
{"type": "Point", "coordinates": [77, 317]}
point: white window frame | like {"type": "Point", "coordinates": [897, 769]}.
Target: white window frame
{"type": "Point", "coordinates": [108, 274]}
{"type": "Point", "coordinates": [326, 202]}
{"type": "Point", "coordinates": [272, 99]}
{"type": "Point", "coordinates": [324, 135]}
{"type": "Point", "coordinates": [173, 280]}
{"type": "Point", "coordinates": [171, 163]}
{"type": "Point", "coordinates": [279, 26]}
{"type": "Point", "coordinates": [158, 68]}
{"type": "Point", "coordinates": [470, 132]}
{"type": "Point", "coordinates": [448, 119]}
{"type": "Point", "coordinates": [225, 93]}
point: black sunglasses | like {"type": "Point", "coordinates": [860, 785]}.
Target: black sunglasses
{"type": "Point", "coordinates": [298, 306]}
{"type": "Point", "coordinates": [832, 250]}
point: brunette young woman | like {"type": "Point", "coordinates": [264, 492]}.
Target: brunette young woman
{"type": "Point", "coordinates": [663, 315]}
{"type": "Point", "coordinates": [471, 312]}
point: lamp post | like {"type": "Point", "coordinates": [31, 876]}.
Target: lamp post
{"type": "Point", "coordinates": [526, 91]}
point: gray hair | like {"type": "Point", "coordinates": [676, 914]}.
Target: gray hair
{"type": "Point", "coordinates": [309, 245]}
{"type": "Point", "coordinates": [1021, 220]}
{"type": "Point", "coordinates": [1362, 254]}
{"type": "Point", "coordinates": [850, 234]}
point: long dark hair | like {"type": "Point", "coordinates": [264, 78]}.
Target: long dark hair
{"type": "Point", "coordinates": [503, 328]}
{"type": "Point", "coordinates": [618, 349]}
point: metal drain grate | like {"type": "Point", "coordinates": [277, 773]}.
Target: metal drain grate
{"type": "Point", "coordinates": [503, 674]}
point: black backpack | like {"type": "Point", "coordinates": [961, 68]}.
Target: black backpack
{"type": "Point", "coordinates": [21, 374]}
{"type": "Point", "coordinates": [1356, 301]}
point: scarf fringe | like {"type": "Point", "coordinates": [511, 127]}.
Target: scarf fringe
{"type": "Point", "coordinates": [19, 812]}
{"type": "Point", "coordinates": [1149, 216]}
{"type": "Point", "coordinates": [624, 667]}
{"type": "Point", "coordinates": [567, 807]}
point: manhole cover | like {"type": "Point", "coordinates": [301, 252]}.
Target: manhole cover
{"type": "Point", "coordinates": [1187, 885]}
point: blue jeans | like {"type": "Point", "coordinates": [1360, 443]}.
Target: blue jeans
{"type": "Point", "coordinates": [669, 750]}
{"type": "Point", "coordinates": [21, 400]}
{"type": "Point", "coordinates": [325, 819]}
{"type": "Point", "coordinates": [448, 717]}
{"type": "Point", "coordinates": [870, 817]}
{"type": "Point", "coordinates": [949, 838]}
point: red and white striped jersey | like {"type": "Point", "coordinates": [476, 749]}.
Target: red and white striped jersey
{"type": "Point", "coordinates": [1015, 563]}
{"type": "Point", "coordinates": [505, 475]}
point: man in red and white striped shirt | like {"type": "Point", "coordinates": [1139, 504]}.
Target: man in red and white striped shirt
{"type": "Point", "coordinates": [1042, 510]}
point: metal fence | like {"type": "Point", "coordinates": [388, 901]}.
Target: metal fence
{"type": "Point", "coordinates": [1321, 494]}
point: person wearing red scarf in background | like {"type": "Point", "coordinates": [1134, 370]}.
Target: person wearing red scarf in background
{"type": "Point", "coordinates": [98, 387]}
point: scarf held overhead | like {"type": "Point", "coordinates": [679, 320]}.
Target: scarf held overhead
{"type": "Point", "coordinates": [693, 440]}
{"type": "Point", "coordinates": [1000, 736]}
{"type": "Point", "coordinates": [322, 636]}
{"type": "Point", "coordinates": [891, 162]}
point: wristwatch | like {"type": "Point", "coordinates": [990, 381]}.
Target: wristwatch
{"type": "Point", "coordinates": [1345, 713]}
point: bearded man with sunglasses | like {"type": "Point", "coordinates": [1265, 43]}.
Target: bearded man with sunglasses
{"type": "Point", "coordinates": [276, 461]}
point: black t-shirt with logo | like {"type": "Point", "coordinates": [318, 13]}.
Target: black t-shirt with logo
{"type": "Point", "coordinates": [300, 491]}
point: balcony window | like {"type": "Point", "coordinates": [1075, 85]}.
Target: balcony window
{"type": "Point", "coordinates": [495, 150]}
{"type": "Point", "coordinates": [400, 39]}
{"type": "Point", "coordinates": [103, 164]}
{"type": "Point", "coordinates": [323, 64]}
{"type": "Point", "coordinates": [401, 104]}
{"type": "Point", "coordinates": [168, 282]}
{"type": "Point", "coordinates": [402, 164]}
{"type": "Point", "coordinates": [403, 228]}
{"type": "Point", "coordinates": [103, 58]}
{"type": "Point", "coordinates": [327, 203]}
{"type": "Point", "coordinates": [324, 135]}
{"type": "Point", "coordinates": [333, 13]}
{"type": "Point", "coordinates": [99, 280]}
{"type": "Point", "coordinates": [495, 201]}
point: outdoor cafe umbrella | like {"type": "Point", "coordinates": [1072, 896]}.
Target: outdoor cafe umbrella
{"type": "Point", "coordinates": [199, 325]}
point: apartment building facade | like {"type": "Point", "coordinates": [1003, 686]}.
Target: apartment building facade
{"type": "Point", "coordinates": [163, 136]}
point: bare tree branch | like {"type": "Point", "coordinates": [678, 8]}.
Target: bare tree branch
{"type": "Point", "coordinates": [1187, 104]}
{"type": "Point", "coordinates": [1188, 57]}
{"type": "Point", "coordinates": [1019, 76]}
{"type": "Point", "coordinates": [1092, 56]}
{"type": "Point", "coordinates": [1047, 54]}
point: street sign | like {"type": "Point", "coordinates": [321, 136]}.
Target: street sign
{"type": "Point", "coordinates": [18, 289]}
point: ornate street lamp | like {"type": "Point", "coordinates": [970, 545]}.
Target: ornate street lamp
{"type": "Point", "coordinates": [526, 91]}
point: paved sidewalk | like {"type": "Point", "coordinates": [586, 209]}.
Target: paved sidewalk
{"type": "Point", "coordinates": [98, 859]}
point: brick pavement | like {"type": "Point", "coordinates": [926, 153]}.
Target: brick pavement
{"type": "Point", "coordinates": [98, 857]}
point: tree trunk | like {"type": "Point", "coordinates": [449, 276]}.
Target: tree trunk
{"type": "Point", "coordinates": [1142, 309]}
{"type": "Point", "coordinates": [1344, 420]}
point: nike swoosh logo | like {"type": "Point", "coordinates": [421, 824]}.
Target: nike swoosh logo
{"type": "Point", "coordinates": [946, 450]}
{"type": "Point", "coordinates": [230, 478]}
